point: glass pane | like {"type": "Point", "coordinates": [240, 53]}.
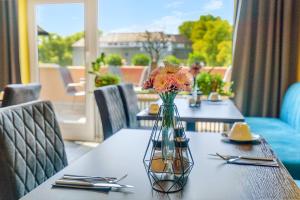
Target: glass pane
{"type": "Point", "coordinates": [181, 32]}
{"type": "Point", "coordinates": [61, 61]}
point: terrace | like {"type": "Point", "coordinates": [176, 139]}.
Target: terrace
{"type": "Point", "coordinates": [139, 101]}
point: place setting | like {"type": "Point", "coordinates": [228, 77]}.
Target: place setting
{"type": "Point", "coordinates": [91, 183]}
{"type": "Point", "coordinates": [240, 134]}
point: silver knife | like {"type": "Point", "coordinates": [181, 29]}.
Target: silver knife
{"type": "Point", "coordinates": [89, 184]}
{"type": "Point", "coordinates": [95, 178]}
{"type": "Point", "coordinates": [265, 164]}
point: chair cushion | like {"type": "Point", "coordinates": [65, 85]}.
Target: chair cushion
{"type": "Point", "coordinates": [130, 103]}
{"type": "Point", "coordinates": [31, 148]}
{"type": "Point", "coordinates": [290, 109]}
{"type": "Point", "coordinates": [267, 127]}
{"type": "Point", "coordinates": [284, 140]}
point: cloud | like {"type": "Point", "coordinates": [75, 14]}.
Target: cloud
{"type": "Point", "coordinates": [167, 24]}
{"type": "Point", "coordinates": [213, 5]}
{"type": "Point", "coordinates": [174, 4]}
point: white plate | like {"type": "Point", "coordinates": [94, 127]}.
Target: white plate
{"type": "Point", "coordinates": [255, 138]}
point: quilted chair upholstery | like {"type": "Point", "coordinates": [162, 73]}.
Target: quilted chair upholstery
{"type": "Point", "coordinates": [130, 103]}
{"type": "Point", "coordinates": [31, 148]}
{"type": "Point", "coordinates": [111, 109]}
{"type": "Point", "coordinates": [19, 93]}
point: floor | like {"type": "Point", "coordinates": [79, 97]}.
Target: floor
{"type": "Point", "coordinates": [76, 149]}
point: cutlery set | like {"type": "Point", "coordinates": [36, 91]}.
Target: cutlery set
{"type": "Point", "coordinates": [248, 160]}
{"type": "Point", "coordinates": [90, 182]}
{"type": "Point", "coordinates": [109, 183]}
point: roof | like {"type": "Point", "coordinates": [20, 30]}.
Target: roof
{"type": "Point", "coordinates": [41, 31]}
{"type": "Point", "coordinates": [134, 37]}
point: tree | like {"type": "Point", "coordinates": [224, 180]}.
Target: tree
{"type": "Point", "coordinates": [57, 49]}
{"type": "Point", "coordinates": [211, 39]}
{"type": "Point", "coordinates": [154, 44]}
{"type": "Point", "coordinates": [186, 28]}
{"type": "Point", "coordinates": [195, 57]}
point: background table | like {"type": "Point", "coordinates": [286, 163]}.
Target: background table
{"type": "Point", "coordinates": [210, 178]}
{"type": "Point", "coordinates": [224, 111]}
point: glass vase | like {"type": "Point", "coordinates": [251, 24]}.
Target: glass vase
{"type": "Point", "coordinates": [167, 159]}
{"type": "Point", "coordinates": [168, 125]}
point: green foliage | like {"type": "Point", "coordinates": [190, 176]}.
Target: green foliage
{"type": "Point", "coordinates": [186, 28]}
{"type": "Point", "coordinates": [114, 60]}
{"type": "Point", "coordinates": [224, 55]}
{"type": "Point", "coordinates": [57, 49]}
{"type": "Point", "coordinates": [103, 79]}
{"type": "Point", "coordinates": [140, 60]}
{"type": "Point", "coordinates": [172, 59]}
{"type": "Point", "coordinates": [106, 79]}
{"type": "Point", "coordinates": [100, 61]}
{"type": "Point", "coordinates": [195, 57]}
{"type": "Point", "coordinates": [208, 83]}
{"type": "Point", "coordinates": [211, 38]}
{"type": "Point", "coordinates": [96, 65]}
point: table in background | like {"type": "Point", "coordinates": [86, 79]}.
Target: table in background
{"type": "Point", "coordinates": [210, 177]}
{"type": "Point", "coordinates": [224, 111]}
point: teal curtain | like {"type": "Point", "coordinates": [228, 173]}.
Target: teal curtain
{"type": "Point", "coordinates": [9, 43]}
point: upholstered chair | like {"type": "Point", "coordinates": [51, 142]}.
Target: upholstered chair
{"type": "Point", "coordinates": [111, 110]}
{"type": "Point", "coordinates": [31, 148]}
{"type": "Point", "coordinates": [130, 103]}
{"type": "Point", "coordinates": [20, 93]}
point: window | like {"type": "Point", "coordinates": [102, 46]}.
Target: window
{"type": "Point", "coordinates": [185, 24]}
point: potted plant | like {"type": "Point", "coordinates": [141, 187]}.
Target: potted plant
{"type": "Point", "coordinates": [114, 62]}
{"type": "Point", "coordinates": [103, 79]}
{"type": "Point", "coordinates": [173, 60]}
{"type": "Point", "coordinates": [140, 60]}
{"type": "Point", "coordinates": [106, 79]}
{"type": "Point", "coordinates": [213, 83]}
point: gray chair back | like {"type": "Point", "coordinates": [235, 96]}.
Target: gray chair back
{"type": "Point", "coordinates": [20, 93]}
{"type": "Point", "coordinates": [111, 109]}
{"type": "Point", "coordinates": [31, 148]}
{"type": "Point", "coordinates": [67, 79]}
{"type": "Point", "coordinates": [130, 103]}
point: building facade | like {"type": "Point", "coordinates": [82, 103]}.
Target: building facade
{"type": "Point", "coordinates": [129, 44]}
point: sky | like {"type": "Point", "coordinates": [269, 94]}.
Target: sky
{"type": "Point", "coordinates": [132, 15]}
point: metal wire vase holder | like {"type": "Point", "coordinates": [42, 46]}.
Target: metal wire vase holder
{"type": "Point", "coordinates": [169, 173]}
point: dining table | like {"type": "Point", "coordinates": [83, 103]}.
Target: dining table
{"type": "Point", "coordinates": [210, 178]}
{"type": "Point", "coordinates": [224, 111]}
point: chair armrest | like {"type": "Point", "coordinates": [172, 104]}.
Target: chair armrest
{"type": "Point", "coordinates": [80, 84]}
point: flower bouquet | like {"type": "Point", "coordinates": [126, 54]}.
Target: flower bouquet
{"type": "Point", "coordinates": [167, 81]}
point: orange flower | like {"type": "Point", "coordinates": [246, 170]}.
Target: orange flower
{"type": "Point", "coordinates": [169, 79]}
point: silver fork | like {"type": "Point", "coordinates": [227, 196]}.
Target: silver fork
{"type": "Point", "coordinates": [232, 161]}
{"type": "Point", "coordinates": [228, 157]}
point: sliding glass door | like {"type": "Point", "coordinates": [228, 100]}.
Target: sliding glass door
{"type": "Point", "coordinates": [63, 35]}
